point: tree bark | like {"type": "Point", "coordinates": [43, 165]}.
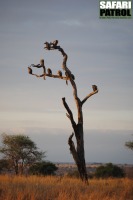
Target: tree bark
{"type": "Point", "coordinates": [78, 152]}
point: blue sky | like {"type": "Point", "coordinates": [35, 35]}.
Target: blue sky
{"type": "Point", "coordinates": [99, 52]}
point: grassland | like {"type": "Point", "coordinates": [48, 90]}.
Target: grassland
{"type": "Point", "coordinates": [55, 188]}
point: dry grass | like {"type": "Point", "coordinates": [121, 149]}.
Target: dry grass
{"type": "Point", "coordinates": [54, 188]}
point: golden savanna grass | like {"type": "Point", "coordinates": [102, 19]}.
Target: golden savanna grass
{"type": "Point", "coordinates": [55, 188]}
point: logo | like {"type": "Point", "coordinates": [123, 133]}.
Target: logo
{"type": "Point", "coordinates": [115, 9]}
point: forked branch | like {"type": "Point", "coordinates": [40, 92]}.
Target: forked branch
{"type": "Point", "coordinates": [95, 90]}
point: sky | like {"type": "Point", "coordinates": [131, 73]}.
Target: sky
{"type": "Point", "coordinates": [100, 52]}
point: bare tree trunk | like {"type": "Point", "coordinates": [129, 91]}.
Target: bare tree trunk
{"type": "Point", "coordinates": [78, 151]}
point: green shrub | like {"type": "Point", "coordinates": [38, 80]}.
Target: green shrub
{"type": "Point", "coordinates": [109, 170]}
{"type": "Point", "coordinates": [4, 165]}
{"type": "Point", "coordinates": [43, 168]}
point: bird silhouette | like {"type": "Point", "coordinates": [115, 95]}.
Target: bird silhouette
{"type": "Point", "coordinates": [59, 73]}
{"type": "Point", "coordinates": [47, 46]}
{"type": "Point", "coordinates": [49, 71]}
{"type": "Point", "coordinates": [55, 42]}
{"type": "Point", "coordinates": [73, 77]}
{"type": "Point", "coordinates": [94, 87]}
{"type": "Point", "coordinates": [29, 70]}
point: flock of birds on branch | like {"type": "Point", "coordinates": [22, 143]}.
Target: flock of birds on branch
{"type": "Point", "coordinates": [52, 46]}
{"type": "Point", "coordinates": [48, 72]}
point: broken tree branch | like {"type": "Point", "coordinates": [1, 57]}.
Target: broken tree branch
{"type": "Point", "coordinates": [70, 114]}
{"type": "Point", "coordinates": [72, 148]}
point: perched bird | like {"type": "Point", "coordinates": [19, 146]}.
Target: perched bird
{"type": "Point", "coordinates": [94, 87]}
{"type": "Point", "coordinates": [29, 70]}
{"type": "Point", "coordinates": [55, 42]}
{"type": "Point", "coordinates": [47, 46]}
{"type": "Point", "coordinates": [43, 66]}
{"type": "Point", "coordinates": [73, 77]}
{"type": "Point", "coordinates": [49, 71]}
{"type": "Point", "coordinates": [59, 73]}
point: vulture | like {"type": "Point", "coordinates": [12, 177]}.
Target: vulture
{"type": "Point", "coordinates": [94, 87]}
{"type": "Point", "coordinates": [59, 73]}
{"type": "Point", "coordinates": [47, 46]}
{"type": "Point", "coordinates": [73, 77]}
{"type": "Point", "coordinates": [55, 43]}
{"type": "Point", "coordinates": [29, 70]}
{"type": "Point", "coordinates": [49, 71]}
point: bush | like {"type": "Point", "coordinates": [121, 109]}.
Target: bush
{"type": "Point", "coordinates": [4, 165]}
{"type": "Point", "coordinates": [43, 168]}
{"type": "Point", "coordinates": [109, 170]}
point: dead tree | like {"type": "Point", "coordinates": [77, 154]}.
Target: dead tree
{"type": "Point", "coordinates": [77, 150]}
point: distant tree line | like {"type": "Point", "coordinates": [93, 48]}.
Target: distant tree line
{"type": "Point", "coordinates": [104, 171]}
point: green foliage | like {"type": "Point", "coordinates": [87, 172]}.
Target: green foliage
{"type": "Point", "coordinates": [109, 170]}
{"type": "Point", "coordinates": [20, 151]}
{"type": "Point", "coordinates": [4, 165]}
{"type": "Point", "coordinates": [43, 168]}
{"type": "Point", "coordinates": [129, 145]}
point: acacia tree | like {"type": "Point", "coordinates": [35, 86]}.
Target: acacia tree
{"type": "Point", "coordinates": [19, 151]}
{"type": "Point", "coordinates": [77, 150]}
